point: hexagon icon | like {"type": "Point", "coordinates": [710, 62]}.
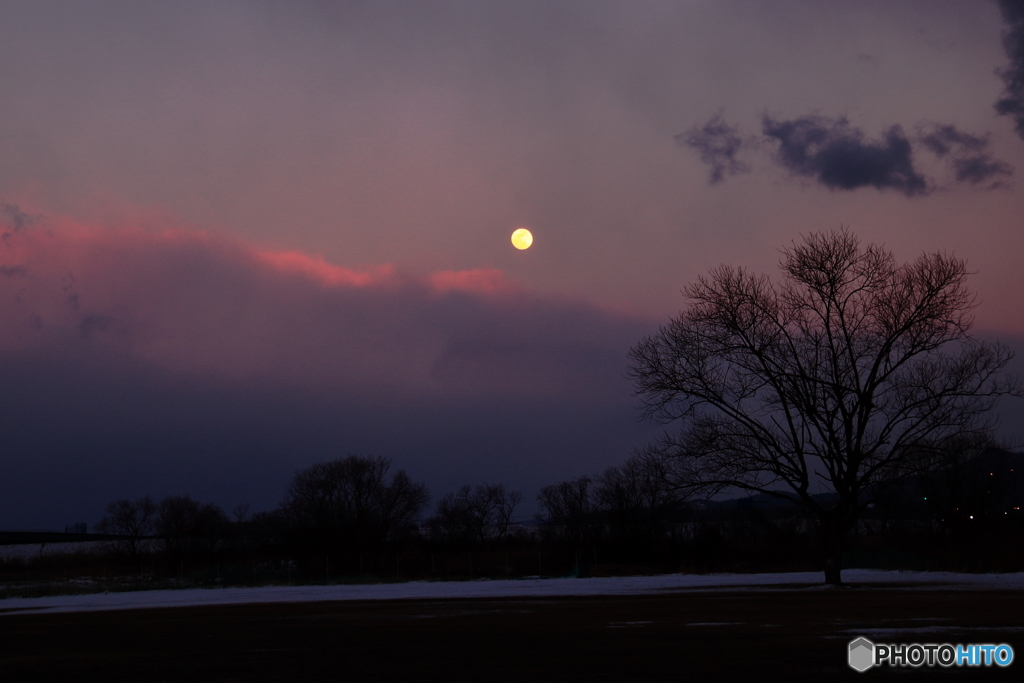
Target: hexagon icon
{"type": "Point", "coordinates": [862, 654]}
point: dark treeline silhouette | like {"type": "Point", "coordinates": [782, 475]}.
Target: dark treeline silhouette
{"type": "Point", "coordinates": [353, 519]}
{"type": "Point", "coordinates": [474, 517]}
{"type": "Point", "coordinates": [349, 504]}
{"type": "Point", "coordinates": [965, 514]}
{"type": "Point", "coordinates": [132, 520]}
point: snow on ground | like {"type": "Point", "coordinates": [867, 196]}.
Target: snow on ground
{"type": "Point", "coordinates": [28, 551]}
{"type": "Point", "coordinates": [619, 585]}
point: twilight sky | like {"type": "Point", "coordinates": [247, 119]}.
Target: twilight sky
{"type": "Point", "coordinates": [242, 237]}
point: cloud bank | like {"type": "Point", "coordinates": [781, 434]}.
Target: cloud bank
{"type": "Point", "coordinates": [176, 362]}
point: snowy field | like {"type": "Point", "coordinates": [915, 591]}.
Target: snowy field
{"type": "Point", "coordinates": [525, 588]}
{"type": "Point", "coordinates": [28, 551]}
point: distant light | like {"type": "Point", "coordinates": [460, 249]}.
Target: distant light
{"type": "Point", "coordinates": [972, 516]}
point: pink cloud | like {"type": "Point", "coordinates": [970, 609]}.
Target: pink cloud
{"type": "Point", "coordinates": [477, 280]}
{"type": "Point", "coordinates": [188, 302]}
{"type": "Point", "coordinates": [316, 268]}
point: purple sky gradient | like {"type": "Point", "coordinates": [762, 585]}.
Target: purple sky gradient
{"type": "Point", "coordinates": [246, 236]}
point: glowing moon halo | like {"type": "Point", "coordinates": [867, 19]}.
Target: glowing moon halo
{"type": "Point", "coordinates": [522, 238]}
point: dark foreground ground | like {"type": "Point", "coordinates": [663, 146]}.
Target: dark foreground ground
{"type": "Point", "coordinates": [780, 634]}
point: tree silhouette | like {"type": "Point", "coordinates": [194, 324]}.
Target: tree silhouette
{"type": "Point", "coordinates": [636, 502]}
{"type": "Point", "coordinates": [571, 510]}
{"type": "Point", "coordinates": [472, 516]}
{"type": "Point", "coordinates": [132, 520]}
{"type": "Point", "coordinates": [350, 503]}
{"type": "Point", "coordinates": [188, 528]}
{"type": "Point", "coordinates": [851, 371]}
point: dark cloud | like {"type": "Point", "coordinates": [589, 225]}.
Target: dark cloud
{"type": "Point", "coordinates": [979, 169]}
{"type": "Point", "coordinates": [16, 218]}
{"type": "Point", "coordinates": [972, 163]}
{"type": "Point", "coordinates": [1012, 101]}
{"type": "Point", "coordinates": [80, 431]}
{"type": "Point", "coordinates": [945, 139]}
{"type": "Point", "coordinates": [836, 154]}
{"type": "Point", "coordinates": [840, 156]}
{"type": "Point", "coordinates": [718, 144]}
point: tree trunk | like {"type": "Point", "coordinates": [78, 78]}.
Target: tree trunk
{"type": "Point", "coordinates": [833, 567]}
{"type": "Point", "coordinates": [833, 543]}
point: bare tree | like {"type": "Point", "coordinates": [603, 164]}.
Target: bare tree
{"type": "Point", "coordinates": [132, 521]}
{"type": "Point", "coordinates": [853, 370]}
{"type": "Point", "coordinates": [638, 500]}
{"type": "Point", "coordinates": [504, 506]}
{"type": "Point", "coordinates": [187, 527]}
{"type": "Point", "coordinates": [241, 513]}
{"type": "Point", "coordinates": [350, 502]}
{"type": "Point", "coordinates": [475, 515]}
{"type": "Point", "coordinates": [570, 510]}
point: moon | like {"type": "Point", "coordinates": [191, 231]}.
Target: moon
{"type": "Point", "coordinates": [522, 239]}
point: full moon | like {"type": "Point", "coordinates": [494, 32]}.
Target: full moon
{"type": "Point", "coordinates": [522, 238]}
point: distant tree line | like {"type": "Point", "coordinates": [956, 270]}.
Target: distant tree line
{"type": "Point", "coordinates": [178, 527]}
{"type": "Point", "coordinates": [965, 513]}
{"type": "Point", "coordinates": [356, 518]}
